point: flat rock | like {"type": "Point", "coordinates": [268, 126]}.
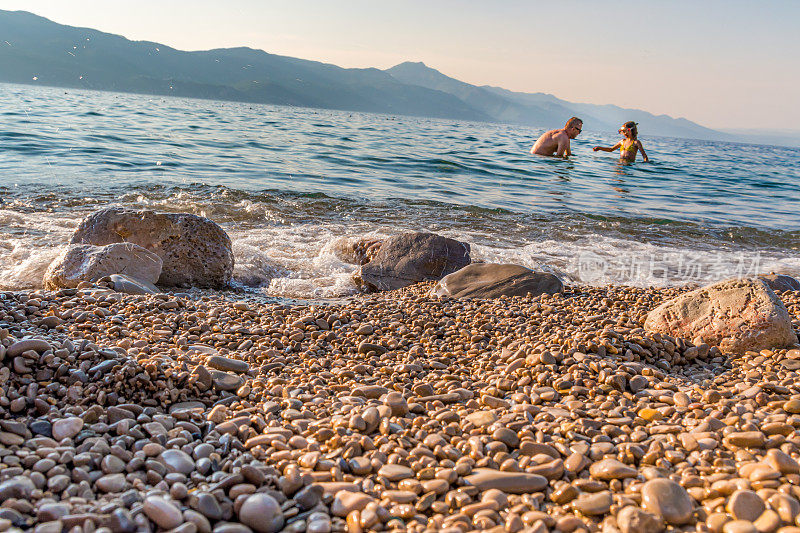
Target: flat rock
{"type": "Point", "coordinates": [632, 519]}
{"type": "Point", "coordinates": [608, 469]}
{"type": "Point", "coordinates": [395, 472]}
{"type": "Point", "coordinates": [492, 280]}
{"type": "Point", "coordinates": [510, 482]}
{"type": "Point", "coordinates": [736, 315]}
{"type": "Point", "coordinates": [131, 285]}
{"type": "Point", "coordinates": [482, 418]}
{"type": "Point", "coordinates": [224, 381]}
{"type": "Point", "coordinates": [228, 365]}
{"type": "Point", "coordinates": [409, 258]}
{"type": "Point", "coordinates": [90, 262]}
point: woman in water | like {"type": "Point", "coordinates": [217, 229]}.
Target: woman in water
{"type": "Point", "coordinates": [627, 146]}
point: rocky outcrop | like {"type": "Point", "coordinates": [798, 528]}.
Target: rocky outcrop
{"type": "Point", "coordinates": [194, 250]}
{"type": "Point", "coordinates": [409, 258]}
{"type": "Point", "coordinates": [736, 315]}
{"type": "Point", "coordinates": [87, 262]}
{"type": "Point", "coordinates": [492, 280]}
{"type": "Point", "coordinates": [780, 282]}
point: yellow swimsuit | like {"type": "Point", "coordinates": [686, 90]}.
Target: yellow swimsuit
{"type": "Point", "coordinates": [630, 149]}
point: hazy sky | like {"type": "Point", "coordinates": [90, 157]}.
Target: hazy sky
{"type": "Point", "coordinates": [722, 63]}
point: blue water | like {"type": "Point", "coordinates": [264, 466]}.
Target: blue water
{"type": "Point", "coordinates": [285, 182]}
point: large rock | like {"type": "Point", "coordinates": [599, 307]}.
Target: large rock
{"type": "Point", "coordinates": [780, 282]}
{"type": "Point", "coordinates": [737, 315]}
{"type": "Point", "coordinates": [491, 280]}
{"type": "Point", "coordinates": [87, 262]}
{"type": "Point", "coordinates": [195, 251]}
{"type": "Point", "coordinates": [409, 258]}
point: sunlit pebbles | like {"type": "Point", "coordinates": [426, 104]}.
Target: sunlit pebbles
{"type": "Point", "coordinates": [392, 411]}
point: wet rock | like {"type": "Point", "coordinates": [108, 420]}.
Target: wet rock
{"type": "Point", "coordinates": [163, 512]}
{"type": "Point", "coordinates": [510, 482]}
{"type": "Point", "coordinates": [409, 258]}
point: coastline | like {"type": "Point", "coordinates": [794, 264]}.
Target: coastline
{"type": "Point", "coordinates": [387, 411]}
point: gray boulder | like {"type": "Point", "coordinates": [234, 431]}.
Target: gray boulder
{"type": "Point", "coordinates": [736, 315]}
{"type": "Point", "coordinates": [87, 262]}
{"type": "Point", "coordinates": [780, 282]}
{"type": "Point", "coordinates": [194, 250]}
{"type": "Point", "coordinates": [409, 258]}
{"type": "Point", "coordinates": [491, 280]}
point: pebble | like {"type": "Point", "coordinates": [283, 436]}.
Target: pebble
{"type": "Point", "coordinates": [668, 500]}
{"type": "Point", "coordinates": [162, 512]}
{"type": "Point", "coordinates": [261, 513]}
{"type": "Point", "coordinates": [66, 428]}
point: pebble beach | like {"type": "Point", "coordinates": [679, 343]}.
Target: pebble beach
{"type": "Point", "coordinates": [202, 411]}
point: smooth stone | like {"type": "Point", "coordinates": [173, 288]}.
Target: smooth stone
{"type": "Point", "coordinates": [345, 502]}
{"type": "Point", "coordinates": [510, 482]}
{"type": "Point", "coordinates": [482, 418]}
{"type": "Point", "coordinates": [665, 498]}
{"type": "Point", "coordinates": [608, 469]}
{"type": "Point", "coordinates": [178, 461]}
{"type": "Point", "coordinates": [224, 381]}
{"type": "Point", "coordinates": [162, 512]}
{"type": "Point", "coordinates": [66, 428]}
{"type": "Point", "coordinates": [262, 513]}
{"type": "Point", "coordinates": [395, 472]}
{"type": "Point", "coordinates": [592, 504]}
{"type": "Point", "coordinates": [227, 365]}
{"type": "Point", "coordinates": [112, 483]}
{"type": "Point", "coordinates": [745, 505]}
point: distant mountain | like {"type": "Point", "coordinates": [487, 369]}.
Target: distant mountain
{"type": "Point", "coordinates": [35, 50]}
{"type": "Point", "coordinates": [546, 110]}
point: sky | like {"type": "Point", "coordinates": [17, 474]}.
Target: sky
{"type": "Point", "coordinates": [721, 63]}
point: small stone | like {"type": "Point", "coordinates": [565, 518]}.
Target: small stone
{"type": "Point", "coordinates": [66, 428]}
{"type": "Point", "coordinates": [262, 513]}
{"type": "Point", "coordinates": [632, 519]}
{"type": "Point", "coordinates": [608, 469]}
{"type": "Point", "coordinates": [345, 502]}
{"type": "Point", "coordinates": [178, 461]}
{"type": "Point", "coordinates": [510, 482]}
{"type": "Point", "coordinates": [482, 418]}
{"type": "Point", "coordinates": [224, 381]}
{"type": "Point", "coordinates": [745, 505]}
{"type": "Point", "coordinates": [395, 472]}
{"type": "Point", "coordinates": [592, 504]}
{"type": "Point", "coordinates": [112, 483]}
{"type": "Point", "coordinates": [162, 512]}
{"type": "Point", "coordinates": [668, 500]}
{"type": "Point", "coordinates": [228, 365]}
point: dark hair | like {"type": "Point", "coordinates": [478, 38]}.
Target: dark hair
{"type": "Point", "coordinates": [631, 125]}
{"type": "Point", "coordinates": [572, 121]}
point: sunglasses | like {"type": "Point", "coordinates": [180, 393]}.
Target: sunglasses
{"type": "Point", "coordinates": [577, 128]}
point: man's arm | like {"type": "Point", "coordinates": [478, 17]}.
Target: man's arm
{"type": "Point", "coordinates": [641, 149]}
{"type": "Point", "coordinates": [563, 146]}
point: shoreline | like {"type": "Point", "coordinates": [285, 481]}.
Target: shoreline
{"type": "Point", "coordinates": [387, 411]}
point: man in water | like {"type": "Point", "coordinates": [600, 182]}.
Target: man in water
{"type": "Point", "coordinates": [556, 142]}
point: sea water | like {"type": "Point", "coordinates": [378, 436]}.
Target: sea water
{"type": "Point", "coordinates": [286, 183]}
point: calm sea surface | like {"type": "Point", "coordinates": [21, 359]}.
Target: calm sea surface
{"type": "Point", "coordinates": [286, 183]}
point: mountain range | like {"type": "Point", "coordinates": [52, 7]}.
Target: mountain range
{"type": "Point", "coordinates": [35, 50]}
